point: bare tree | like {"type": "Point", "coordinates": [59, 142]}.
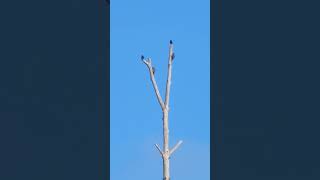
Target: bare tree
{"type": "Point", "coordinates": [166, 152]}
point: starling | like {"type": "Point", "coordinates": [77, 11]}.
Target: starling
{"type": "Point", "coordinates": [153, 70]}
{"type": "Point", "coordinates": [172, 56]}
{"type": "Point", "coordinates": [142, 57]}
{"type": "Point", "coordinates": [170, 41]}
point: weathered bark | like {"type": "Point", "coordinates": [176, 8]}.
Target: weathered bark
{"type": "Point", "coordinates": [148, 62]}
{"type": "Point", "coordinates": [165, 157]}
{"type": "Point", "coordinates": [169, 77]}
{"type": "Point", "coordinates": [166, 152]}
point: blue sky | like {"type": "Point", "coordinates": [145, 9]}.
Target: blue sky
{"type": "Point", "coordinates": [145, 27]}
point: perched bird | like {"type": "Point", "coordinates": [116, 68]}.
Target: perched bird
{"type": "Point", "coordinates": [142, 57]}
{"type": "Point", "coordinates": [172, 56]}
{"type": "Point", "coordinates": [153, 70]}
{"type": "Point", "coordinates": [170, 41]}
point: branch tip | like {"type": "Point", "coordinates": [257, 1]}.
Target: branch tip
{"type": "Point", "coordinates": [175, 147]}
{"type": "Point", "coordinates": [157, 146]}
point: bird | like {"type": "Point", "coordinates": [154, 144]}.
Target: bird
{"type": "Point", "coordinates": [170, 41]}
{"type": "Point", "coordinates": [142, 57]}
{"type": "Point", "coordinates": [172, 56]}
{"type": "Point", "coordinates": [153, 70]}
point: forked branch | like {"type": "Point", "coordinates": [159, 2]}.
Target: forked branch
{"type": "Point", "coordinates": [148, 62]}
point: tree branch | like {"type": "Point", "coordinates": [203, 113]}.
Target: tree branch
{"type": "Point", "coordinates": [166, 102]}
{"type": "Point", "coordinates": [157, 146]}
{"type": "Point", "coordinates": [175, 147]}
{"type": "Point", "coordinates": [154, 83]}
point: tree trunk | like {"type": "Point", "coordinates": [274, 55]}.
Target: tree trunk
{"type": "Point", "coordinates": [166, 175]}
{"type": "Point", "coordinates": [165, 157]}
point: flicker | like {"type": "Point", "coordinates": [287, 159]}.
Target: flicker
{"type": "Point", "coordinates": [172, 56]}
{"type": "Point", "coordinates": [153, 70]}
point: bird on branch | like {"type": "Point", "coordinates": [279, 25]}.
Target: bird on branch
{"type": "Point", "coordinates": [170, 41]}
{"type": "Point", "coordinates": [153, 70]}
{"type": "Point", "coordinates": [142, 57]}
{"type": "Point", "coordinates": [172, 56]}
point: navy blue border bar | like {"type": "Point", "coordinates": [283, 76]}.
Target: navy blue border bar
{"type": "Point", "coordinates": [104, 89]}
{"type": "Point", "coordinates": [216, 88]}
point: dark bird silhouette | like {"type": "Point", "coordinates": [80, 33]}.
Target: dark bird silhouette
{"type": "Point", "coordinates": [153, 70]}
{"type": "Point", "coordinates": [173, 56]}
{"type": "Point", "coordinates": [142, 57]}
{"type": "Point", "coordinates": [170, 41]}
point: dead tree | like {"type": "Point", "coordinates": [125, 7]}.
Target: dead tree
{"type": "Point", "coordinates": [165, 152]}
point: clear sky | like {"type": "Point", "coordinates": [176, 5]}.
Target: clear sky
{"type": "Point", "coordinates": [145, 27]}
